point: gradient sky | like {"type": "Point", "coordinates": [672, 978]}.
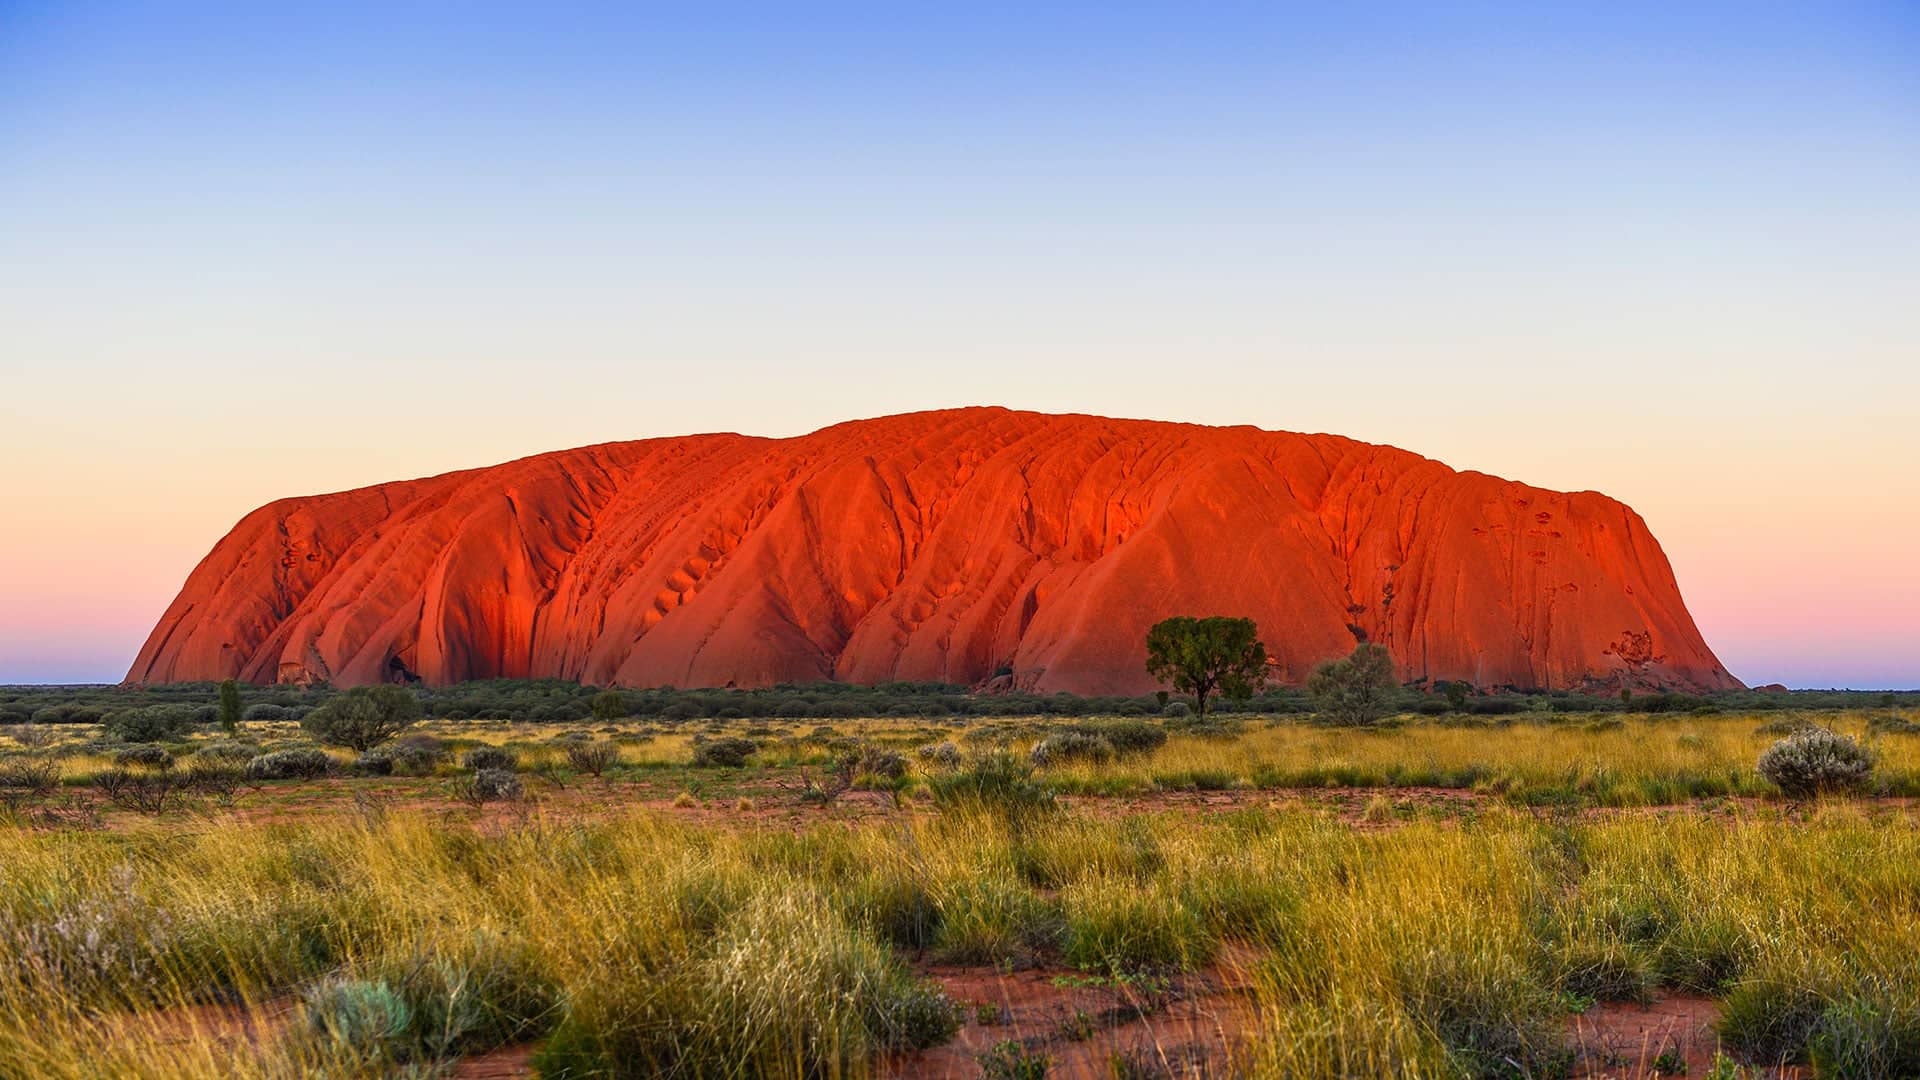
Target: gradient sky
{"type": "Point", "coordinates": [1669, 252]}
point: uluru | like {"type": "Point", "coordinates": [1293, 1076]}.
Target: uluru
{"type": "Point", "coordinates": [959, 546]}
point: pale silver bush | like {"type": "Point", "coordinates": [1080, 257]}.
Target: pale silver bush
{"type": "Point", "coordinates": [1817, 761]}
{"type": "Point", "coordinates": [1068, 746]}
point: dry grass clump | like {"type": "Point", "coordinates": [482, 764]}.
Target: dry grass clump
{"type": "Point", "coordinates": [592, 758]}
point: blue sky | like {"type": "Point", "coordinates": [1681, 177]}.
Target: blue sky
{"type": "Point", "coordinates": [1664, 251]}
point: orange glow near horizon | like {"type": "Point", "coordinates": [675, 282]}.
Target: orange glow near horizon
{"type": "Point", "coordinates": [1787, 577]}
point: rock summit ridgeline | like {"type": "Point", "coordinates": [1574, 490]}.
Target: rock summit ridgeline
{"type": "Point", "coordinates": [955, 546]}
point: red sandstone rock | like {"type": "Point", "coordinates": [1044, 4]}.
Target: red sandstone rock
{"type": "Point", "coordinates": [934, 546]}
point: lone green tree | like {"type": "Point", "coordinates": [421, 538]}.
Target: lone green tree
{"type": "Point", "coordinates": [1202, 656]}
{"type": "Point", "coordinates": [230, 706]}
{"type": "Point", "coordinates": [1356, 689]}
{"type": "Point", "coordinates": [364, 717]}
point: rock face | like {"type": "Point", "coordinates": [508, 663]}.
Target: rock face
{"type": "Point", "coordinates": [946, 546]}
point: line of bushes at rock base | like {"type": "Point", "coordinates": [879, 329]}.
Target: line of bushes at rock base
{"type": "Point", "coordinates": [560, 701]}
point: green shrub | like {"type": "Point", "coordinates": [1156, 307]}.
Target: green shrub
{"type": "Point", "coordinates": [730, 752]}
{"type": "Point", "coordinates": [146, 756]}
{"type": "Point", "coordinates": [1070, 746]}
{"type": "Point", "coordinates": [368, 1019]}
{"type": "Point", "coordinates": [1210, 726]}
{"type": "Point", "coordinates": [1355, 690]}
{"type": "Point", "coordinates": [1125, 736]}
{"type": "Point", "coordinates": [492, 785]}
{"type": "Point", "coordinates": [39, 776]}
{"type": "Point", "coordinates": [152, 723]}
{"type": "Point", "coordinates": [364, 717]}
{"type": "Point", "coordinates": [1011, 1060]}
{"type": "Point", "coordinates": [1816, 761]}
{"type": "Point", "coordinates": [267, 713]}
{"type": "Point", "coordinates": [912, 1015]}
{"type": "Point", "coordinates": [496, 758]}
{"type": "Point", "coordinates": [592, 758]}
{"type": "Point", "coordinates": [212, 776]}
{"type": "Point", "coordinates": [68, 713]}
{"type": "Point", "coordinates": [415, 755]}
{"type": "Point", "coordinates": [234, 753]}
{"type": "Point", "coordinates": [148, 792]}
{"type": "Point", "coordinates": [290, 765]}
{"type": "Point", "coordinates": [882, 762]}
{"type": "Point", "coordinates": [610, 705]}
{"type": "Point", "coordinates": [995, 780]}
{"type": "Point", "coordinates": [1176, 708]}
{"type": "Point", "coordinates": [1785, 725]}
{"type": "Point", "coordinates": [229, 708]}
{"type": "Point", "coordinates": [1496, 706]}
{"type": "Point", "coordinates": [943, 754]}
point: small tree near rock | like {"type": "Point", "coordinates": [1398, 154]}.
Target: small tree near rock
{"type": "Point", "coordinates": [1356, 690]}
{"type": "Point", "coordinates": [230, 706]}
{"type": "Point", "coordinates": [1202, 656]}
{"type": "Point", "coordinates": [363, 718]}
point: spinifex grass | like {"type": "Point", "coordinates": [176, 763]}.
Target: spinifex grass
{"type": "Point", "coordinates": [1641, 761]}
{"type": "Point", "coordinates": [646, 944]}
